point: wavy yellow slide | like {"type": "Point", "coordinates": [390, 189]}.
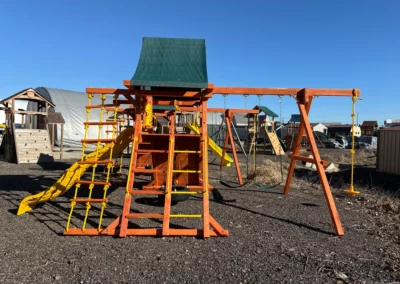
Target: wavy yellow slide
{"type": "Point", "coordinates": [67, 180]}
{"type": "Point", "coordinates": [212, 145]}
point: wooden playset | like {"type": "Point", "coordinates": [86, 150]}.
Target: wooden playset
{"type": "Point", "coordinates": [170, 73]}
{"type": "Point", "coordinates": [30, 141]}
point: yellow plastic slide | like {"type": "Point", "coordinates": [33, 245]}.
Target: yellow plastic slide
{"type": "Point", "coordinates": [212, 145]}
{"type": "Point", "coordinates": [67, 180]}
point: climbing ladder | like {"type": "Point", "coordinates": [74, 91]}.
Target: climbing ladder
{"type": "Point", "coordinates": [276, 144]}
{"type": "Point", "coordinates": [168, 152]}
{"type": "Point", "coordinates": [251, 144]}
{"type": "Point", "coordinates": [270, 138]}
{"type": "Point", "coordinates": [95, 181]}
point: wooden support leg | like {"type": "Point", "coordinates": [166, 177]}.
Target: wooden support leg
{"type": "Point", "coordinates": [224, 150]}
{"type": "Point", "coordinates": [204, 145]}
{"type": "Point", "coordinates": [321, 172]}
{"type": "Point", "coordinates": [62, 142]}
{"type": "Point", "coordinates": [131, 177]}
{"type": "Point", "coordinates": [235, 158]}
{"type": "Point", "coordinates": [170, 170]}
{"type": "Point", "coordinates": [296, 149]}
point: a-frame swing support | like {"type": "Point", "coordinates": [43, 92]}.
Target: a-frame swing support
{"type": "Point", "coordinates": [304, 99]}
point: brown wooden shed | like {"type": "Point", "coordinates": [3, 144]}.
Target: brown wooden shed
{"type": "Point", "coordinates": [388, 155]}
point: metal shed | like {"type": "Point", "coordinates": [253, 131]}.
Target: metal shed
{"type": "Point", "coordinates": [388, 155]}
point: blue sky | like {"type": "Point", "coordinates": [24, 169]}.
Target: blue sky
{"type": "Point", "coordinates": [74, 44]}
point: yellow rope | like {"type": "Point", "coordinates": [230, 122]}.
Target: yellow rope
{"type": "Point", "coordinates": [135, 140]}
{"type": "Point", "coordinates": [88, 206]}
{"type": "Point", "coordinates": [109, 167]}
{"type": "Point", "coordinates": [77, 186]}
{"type": "Point", "coordinates": [176, 106]}
{"type": "Point", "coordinates": [351, 191]}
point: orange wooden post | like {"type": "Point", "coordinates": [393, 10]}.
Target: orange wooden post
{"type": "Point", "coordinates": [304, 103]}
{"type": "Point", "coordinates": [228, 119]}
{"type": "Point", "coordinates": [321, 173]}
{"type": "Point", "coordinates": [131, 176]}
{"type": "Point", "coordinates": [170, 175]}
{"type": "Point", "coordinates": [296, 149]}
{"type": "Point", "coordinates": [204, 145]}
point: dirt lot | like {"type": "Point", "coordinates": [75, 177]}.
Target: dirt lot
{"type": "Point", "coordinates": [273, 238]}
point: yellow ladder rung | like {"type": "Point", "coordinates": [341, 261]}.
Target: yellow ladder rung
{"type": "Point", "coordinates": [184, 192]}
{"type": "Point", "coordinates": [185, 215]}
{"type": "Point", "coordinates": [187, 151]}
{"type": "Point", "coordinates": [186, 171]}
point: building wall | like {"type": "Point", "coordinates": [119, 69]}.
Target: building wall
{"type": "Point", "coordinates": [388, 154]}
{"type": "Point", "coordinates": [321, 128]}
{"type": "Point", "coordinates": [368, 130]}
{"type": "Point", "coordinates": [357, 131]}
{"type": "Point", "coordinates": [344, 131]}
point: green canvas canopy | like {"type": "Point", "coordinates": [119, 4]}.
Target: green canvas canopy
{"type": "Point", "coordinates": [266, 110]}
{"type": "Point", "coordinates": [172, 62]}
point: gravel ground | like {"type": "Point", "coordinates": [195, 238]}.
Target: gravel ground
{"type": "Point", "coordinates": [273, 238]}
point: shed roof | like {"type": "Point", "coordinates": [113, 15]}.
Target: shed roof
{"type": "Point", "coordinates": [331, 123]}
{"type": "Point", "coordinates": [55, 118]}
{"type": "Point", "coordinates": [394, 128]}
{"type": "Point", "coordinates": [27, 94]}
{"type": "Point", "coordinates": [172, 62]}
{"type": "Point", "coordinates": [372, 123]}
{"type": "Point", "coordinates": [339, 126]}
{"type": "Point", "coordinates": [295, 118]}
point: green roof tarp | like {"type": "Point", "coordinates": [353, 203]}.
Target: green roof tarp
{"type": "Point", "coordinates": [172, 62]}
{"type": "Point", "coordinates": [163, 107]}
{"type": "Point", "coordinates": [295, 118]}
{"type": "Point", "coordinates": [266, 110]}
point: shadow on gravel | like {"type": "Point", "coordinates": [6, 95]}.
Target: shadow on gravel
{"type": "Point", "coordinates": [55, 166]}
{"type": "Point", "coordinates": [364, 177]}
{"type": "Point", "coordinates": [301, 225]}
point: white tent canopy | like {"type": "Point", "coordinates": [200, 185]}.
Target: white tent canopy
{"type": "Point", "coordinates": [71, 105]}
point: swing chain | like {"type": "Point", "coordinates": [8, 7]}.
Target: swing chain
{"type": "Point", "coordinates": [245, 101]}
{"type": "Point", "coordinates": [225, 95]}
{"type": "Point", "coordinates": [280, 109]}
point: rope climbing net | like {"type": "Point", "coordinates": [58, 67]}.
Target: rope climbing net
{"type": "Point", "coordinates": [102, 155]}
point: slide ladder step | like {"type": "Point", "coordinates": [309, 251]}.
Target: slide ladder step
{"type": "Point", "coordinates": [93, 141]}
{"type": "Point", "coordinates": [100, 106]}
{"type": "Point", "coordinates": [79, 181]}
{"type": "Point", "coordinates": [101, 123]}
{"type": "Point", "coordinates": [90, 200]}
{"type": "Point", "coordinates": [99, 162]}
{"type": "Point", "coordinates": [146, 192]}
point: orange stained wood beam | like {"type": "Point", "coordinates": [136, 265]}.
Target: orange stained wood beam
{"type": "Point", "coordinates": [109, 91]}
{"type": "Point", "coordinates": [233, 110]}
{"type": "Point", "coordinates": [180, 103]}
{"type": "Point", "coordinates": [308, 160]}
{"type": "Point", "coordinates": [130, 100]}
{"type": "Point", "coordinates": [296, 150]}
{"type": "Point", "coordinates": [321, 173]}
{"type": "Point", "coordinates": [284, 91]}
{"type": "Point", "coordinates": [205, 93]}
